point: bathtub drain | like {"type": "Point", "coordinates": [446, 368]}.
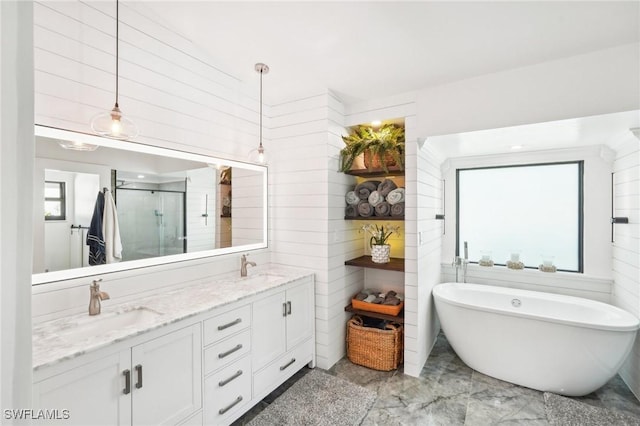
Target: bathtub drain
{"type": "Point", "coordinates": [516, 303]}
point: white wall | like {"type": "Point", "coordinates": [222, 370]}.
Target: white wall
{"type": "Point", "coordinates": [16, 176]}
{"type": "Point", "coordinates": [600, 82]}
{"type": "Point", "coordinates": [202, 193]}
{"type": "Point", "coordinates": [626, 248]}
{"type": "Point", "coordinates": [307, 228]}
{"type": "Point", "coordinates": [423, 250]}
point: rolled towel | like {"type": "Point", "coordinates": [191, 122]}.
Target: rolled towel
{"type": "Point", "coordinates": [397, 210]}
{"type": "Point", "coordinates": [365, 209]}
{"type": "Point", "coordinates": [370, 298]}
{"type": "Point", "coordinates": [395, 196]}
{"type": "Point", "coordinates": [377, 300]}
{"type": "Point", "coordinates": [383, 209]}
{"type": "Point", "coordinates": [375, 198]}
{"type": "Point", "coordinates": [351, 212]}
{"type": "Point", "coordinates": [400, 296]}
{"type": "Point", "coordinates": [389, 294]}
{"type": "Point", "coordinates": [386, 187]}
{"type": "Point", "coordinates": [392, 301]}
{"type": "Point", "coordinates": [365, 188]}
{"type": "Point", "coordinates": [361, 296]}
{"type": "Point", "coordinates": [351, 198]}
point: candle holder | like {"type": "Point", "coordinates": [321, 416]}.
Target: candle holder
{"type": "Point", "coordinates": [514, 261]}
{"type": "Point", "coordinates": [547, 264]}
{"type": "Point", "coordinates": [485, 259]}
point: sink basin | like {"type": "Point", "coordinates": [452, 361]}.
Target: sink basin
{"type": "Point", "coordinates": [260, 278]}
{"type": "Point", "coordinates": [109, 322]}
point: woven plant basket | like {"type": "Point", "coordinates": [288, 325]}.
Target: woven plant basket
{"type": "Point", "coordinates": [374, 348]}
{"type": "Point", "coordinates": [374, 162]}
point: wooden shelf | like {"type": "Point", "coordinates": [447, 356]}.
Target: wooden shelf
{"type": "Point", "coordinates": [399, 318]}
{"type": "Point", "coordinates": [395, 263]}
{"type": "Point", "coordinates": [375, 218]}
{"type": "Point", "coordinates": [374, 173]}
{"type": "Point", "coordinates": [225, 215]}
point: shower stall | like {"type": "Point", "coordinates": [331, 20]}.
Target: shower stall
{"type": "Point", "coordinates": [152, 222]}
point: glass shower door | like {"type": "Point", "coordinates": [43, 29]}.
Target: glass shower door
{"type": "Point", "coordinates": [152, 222]}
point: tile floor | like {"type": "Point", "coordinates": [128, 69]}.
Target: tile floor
{"type": "Point", "coordinates": [450, 393]}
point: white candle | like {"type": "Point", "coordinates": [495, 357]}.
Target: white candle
{"type": "Point", "coordinates": [515, 257]}
{"type": "Point", "coordinates": [547, 263]}
{"type": "Point", "coordinates": [485, 257]}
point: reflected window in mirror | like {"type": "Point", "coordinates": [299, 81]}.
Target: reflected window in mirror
{"type": "Point", "coordinates": [54, 200]}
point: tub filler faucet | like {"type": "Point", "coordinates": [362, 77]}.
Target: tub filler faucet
{"type": "Point", "coordinates": [461, 263]}
{"type": "Point", "coordinates": [244, 264]}
{"type": "Point", "coordinates": [95, 297]}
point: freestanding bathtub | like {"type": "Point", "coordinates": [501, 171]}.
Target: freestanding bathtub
{"type": "Point", "coordinates": [549, 342]}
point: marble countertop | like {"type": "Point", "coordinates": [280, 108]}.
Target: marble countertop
{"type": "Point", "coordinates": [66, 338]}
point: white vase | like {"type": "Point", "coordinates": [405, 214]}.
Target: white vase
{"type": "Point", "coordinates": [380, 253]}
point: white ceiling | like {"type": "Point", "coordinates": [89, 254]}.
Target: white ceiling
{"type": "Point", "coordinates": [364, 50]}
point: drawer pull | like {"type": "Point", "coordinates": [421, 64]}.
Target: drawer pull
{"type": "Point", "coordinates": [230, 351]}
{"type": "Point", "coordinates": [232, 323]}
{"type": "Point", "coordinates": [284, 309]}
{"type": "Point", "coordinates": [288, 308]}
{"type": "Point", "coordinates": [284, 367]}
{"type": "Point", "coordinates": [230, 406]}
{"type": "Point", "coordinates": [230, 379]}
{"type": "Point", "coordinates": [127, 382]}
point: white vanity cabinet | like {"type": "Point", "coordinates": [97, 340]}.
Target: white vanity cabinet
{"type": "Point", "coordinates": [158, 382]}
{"type": "Point", "coordinates": [282, 343]}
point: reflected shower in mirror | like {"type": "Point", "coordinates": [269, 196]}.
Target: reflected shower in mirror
{"type": "Point", "coordinates": [126, 205]}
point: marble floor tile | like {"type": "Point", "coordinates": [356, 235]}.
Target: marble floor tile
{"type": "Point", "coordinates": [448, 392]}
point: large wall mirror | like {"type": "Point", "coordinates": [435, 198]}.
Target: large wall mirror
{"type": "Point", "coordinates": [102, 205]}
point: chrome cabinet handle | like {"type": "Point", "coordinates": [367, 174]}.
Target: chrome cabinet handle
{"type": "Point", "coordinates": [139, 372]}
{"type": "Point", "coordinates": [284, 367]}
{"type": "Point", "coordinates": [230, 379]}
{"type": "Point", "coordinates": [127, 382]}
{"type": "Point", "coordinates": [230, 406]}
{"type": "Point", "coordinates": [288, 308]}
{"type": "Point", "coordinates": [232, 323]}
{"type": "Point", "coordinates": [230, 351]}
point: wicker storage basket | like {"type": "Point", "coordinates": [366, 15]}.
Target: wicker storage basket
{"type": "Point", "coordinates": [374, 348]}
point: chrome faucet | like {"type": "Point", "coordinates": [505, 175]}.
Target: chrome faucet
{"type": "Point", "coordinates": [96, 297]}
{"type": "Point", "coordinates": [244, 264]}
{"type": "Point", "coordinates": [459, 262]}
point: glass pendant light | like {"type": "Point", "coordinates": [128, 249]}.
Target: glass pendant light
{"type": "Point", "coordinates": [258, 155]}
{"type": "Point", "coordinates": [77, 146]}
{"type": "Point", "coordinates": [113, 124]}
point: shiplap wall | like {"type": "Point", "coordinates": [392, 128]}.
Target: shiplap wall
{"type": "Point", "coordinates": [168, 86]}
{"type": "Point", "coordinates": [423, 253]}
{"type": "Point", "coordinates": [626, 248]}
{"type": "Point", "coordinates": [307, 228]}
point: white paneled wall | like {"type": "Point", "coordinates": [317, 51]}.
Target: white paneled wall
{"type": "Point", "coordinates": [626, 248]}
{"type": "Point", "coordinates": [175, 93]}
{"type": "Point", "coordinates": [247, 213]}
{"type": "Point", "coordinates": [422, 250]}
{"type": "Point", "coordinates": [172, 90]}
{"type": "Point", "coordinates": [307, 228]}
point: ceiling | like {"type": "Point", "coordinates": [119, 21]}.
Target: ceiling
{"type": "Point", "coordinates": [364, 50]}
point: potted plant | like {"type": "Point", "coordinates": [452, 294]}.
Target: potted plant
{"type": "Point", "coordinates": [381, 148]}
{"type": "Point", "coordinates": [380, 250]}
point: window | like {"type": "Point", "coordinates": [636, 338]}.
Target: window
{"type": "Point", "coordinates": [54, 201]}
{"type": "Point", "coordinates": [532, 210]}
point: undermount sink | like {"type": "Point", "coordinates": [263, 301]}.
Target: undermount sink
{"type": "Point", "coordinates": [112, 321]}
{"type": "Point", "coordinates": [260, 278]}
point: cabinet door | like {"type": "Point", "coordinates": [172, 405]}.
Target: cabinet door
{"type": "Point", "coordinates": [300, 310]}
{"type": "Point", "coordinates": [166, 378]}
{"type": "Point", "coordinates": [93, 393]}
{"type": "Point", "coordinates": [268, 329]}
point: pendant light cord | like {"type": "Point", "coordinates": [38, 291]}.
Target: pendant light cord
{"type": "Point", "coordinates": [117, 45]}
{"type": "Point", "coordinates": [261, 73]}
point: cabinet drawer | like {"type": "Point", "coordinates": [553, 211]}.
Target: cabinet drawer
{"type": "Point", "coordinates": [227, 351]}
{"type": "Point", "coordinates": [227, 392]}
{"type": "Point", "coordinates": [226, 324]}
{"type": "Point", "coordinates": [282, 368]}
